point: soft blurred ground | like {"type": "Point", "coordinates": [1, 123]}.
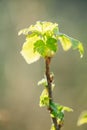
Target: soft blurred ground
{"type": "Point", "coordinates": [19, 94]}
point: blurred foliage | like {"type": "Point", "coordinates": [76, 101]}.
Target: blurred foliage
{"type": "Point", "coordinates": [82, 118]}
{"type": "Point", "coordinates": [18, 99]}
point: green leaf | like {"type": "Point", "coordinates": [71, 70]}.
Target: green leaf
{"type": "Point", "coordinates": [56, 111]}
{"type": "Point", "coordinates": [46, 49]}
{"type": "Point", "coordinates": [68, 42]}
{"type": "Point", "coordinates": [40, 47]}
{"type": "Point", "coordinates": [51, 43]}
{"type": "Point", "coordinates": [44, 99]}
{"type": "Point", "coordinates": [82, 119]}
{"type": "Point", "coordinates": [28, 50]}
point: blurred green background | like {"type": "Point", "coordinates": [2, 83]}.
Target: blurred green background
{"type": "Point", "coordinates": [19, 93]}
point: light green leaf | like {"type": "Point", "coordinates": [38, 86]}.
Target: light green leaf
{"type": "Point", "coordinates": [77, 45]}
{"type": "Point", "coordinates": [44, 99]}
{"type": "Point", "coordinates": [50, 28]}
{"type": "Point", "coordinates": [68, 109]}
{"type": "Point", "coordinates": [82, 119]}
{"type": "Point", "coordinates": [42, 28]}
{"type": "Point", "coordinates": [68, 42]}
{"type": "Point", "coordinates": [65, 42]}
{"type": "Point", "coordinates": [28, 50]}
{"type": "Point", "coordinates": [37, 28]}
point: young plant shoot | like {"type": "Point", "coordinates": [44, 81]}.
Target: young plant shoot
{"type": "Point", "coordinates": [42, 41]}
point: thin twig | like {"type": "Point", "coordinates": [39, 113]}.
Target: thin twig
{"type": "Point", "coordinates": [49, 87]}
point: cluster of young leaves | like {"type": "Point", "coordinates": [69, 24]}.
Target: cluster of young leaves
{"type": "Point", "coordinates": [57, 110]}
{"type": "Point", "coordinates": [82, 118]}
{"type": "Point", "coordinates": [42, 40]}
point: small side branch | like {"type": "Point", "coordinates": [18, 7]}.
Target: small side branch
{"type": "Point", "coordinates": [49, 88]}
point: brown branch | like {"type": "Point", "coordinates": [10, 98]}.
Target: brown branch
{"type": "Point", "coordinates": [49, 88]}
